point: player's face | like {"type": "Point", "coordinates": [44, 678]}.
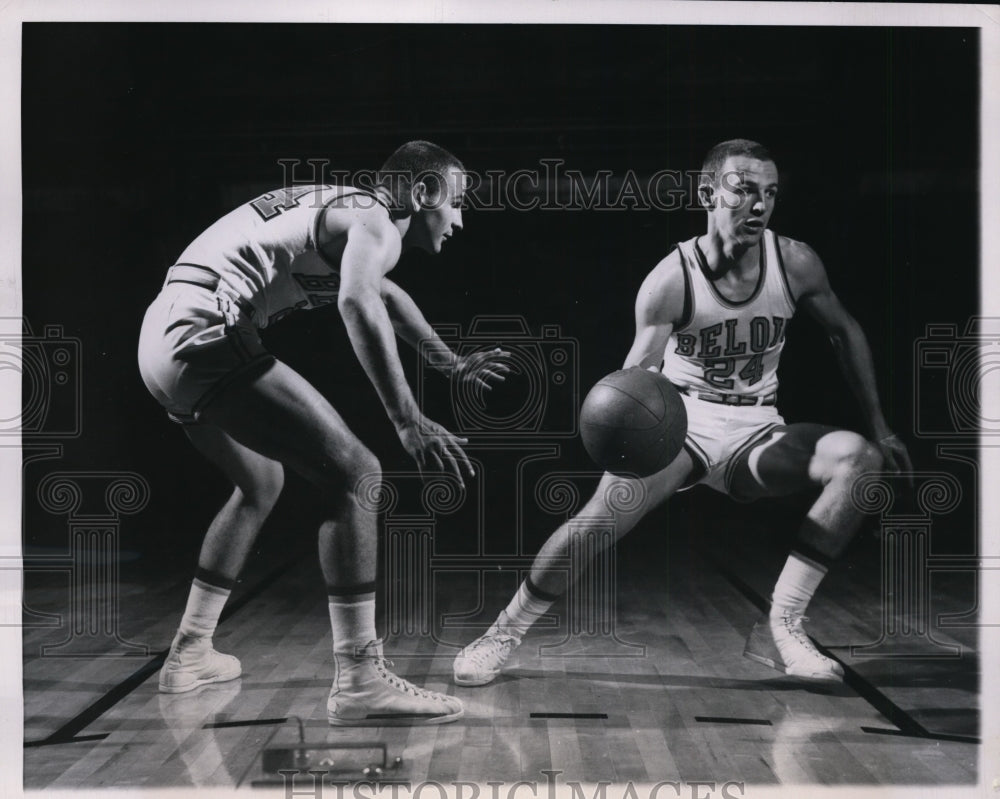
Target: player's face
{"type": "Point", "coordinates": [439, 216]}
{"type": "Point", "coordinates": [744, 199]}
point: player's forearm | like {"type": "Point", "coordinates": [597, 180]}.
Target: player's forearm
{"type": "Point", "coordinates": [648, 346]}
{"type": "Point", "coordinates": [428, 343]}
{"type": "Point", "coordinates": [374, 342]}
{"type": "Point", "coordinates": [642, 358]}
{"type": "Point", "coordinates": [856, 363]}
{"type": "Point", "coordinates": [411, 326]}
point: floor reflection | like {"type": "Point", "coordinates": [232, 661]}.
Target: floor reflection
{"type": "Point", "coordinates": [186, 716]}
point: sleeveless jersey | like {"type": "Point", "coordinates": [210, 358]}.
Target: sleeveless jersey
{"type": "Point", "coordinates": [266, 252]}
{"type": "Point", "coordinates": [731, 347]}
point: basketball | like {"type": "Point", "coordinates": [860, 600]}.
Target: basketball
{"type": "Point", "coordinates": [633, 422]}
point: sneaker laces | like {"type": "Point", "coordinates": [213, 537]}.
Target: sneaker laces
{"type": "Point", "coordinates": [382, 665]}
{"type": "Point", "coordinates": [493, 643]}
{"type": "Point", "coordinates": [792, 623]}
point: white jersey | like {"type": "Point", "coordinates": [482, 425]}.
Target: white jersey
{"type": "Point", "coordinates": [731, 347]}
{"type": "Point", "coordinates": [266, 251]}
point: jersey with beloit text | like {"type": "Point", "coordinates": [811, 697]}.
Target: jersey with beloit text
{"type": "Point", "coordinates": [266, 251]}
{"type": "Point", "coordinates": [731, 347]}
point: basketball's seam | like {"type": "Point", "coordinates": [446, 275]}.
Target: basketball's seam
{"type": "Point", "coordinates": [637, 401]}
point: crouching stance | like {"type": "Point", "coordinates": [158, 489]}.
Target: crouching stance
{"type": "Point", "coordinates": [201, 357]}
{"type": "Point", "coordinates": [712, 316]}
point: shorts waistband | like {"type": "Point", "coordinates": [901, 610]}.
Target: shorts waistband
{"type": "Point", "coordinates": [728, 399]}
{"type": "Point", "coordinates": [203, 277]}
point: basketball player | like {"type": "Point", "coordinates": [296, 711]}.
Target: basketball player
{"type": "Point", "coordinates": [712, 316]}
{"type": "Point", "coordinates": [251, 415]}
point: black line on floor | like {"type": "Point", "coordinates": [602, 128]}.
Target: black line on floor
{"type": "Point", "coordinates": [569, 715]}
{"type": "Point", "coordinates": [55, 742]}
{"type": "Point", "coordinates": [730, 720]}
{"type": "Point", "coordinates": [933, 736]}
{"type": "Point", "coordinates": [116, 694]}
{"type": "Point", "coordinates": [221, 725]}
{"type": "Point", "coordinates": [872, 695]}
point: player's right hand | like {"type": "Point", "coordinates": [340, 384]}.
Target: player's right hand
{"type": "Point", "coordinates": [482, 369]}
{"type": "Point", "coordinates": [895, 456]}
{"type": "Point", "coordinates": [435, 449]}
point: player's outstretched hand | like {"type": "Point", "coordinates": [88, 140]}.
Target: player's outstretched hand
{"type": "Point", "coordinates": [435, 449]}
{"type": "Point", "coordinates": [897, 459]}
{"type": "Point", "coordinates": [482, 369]}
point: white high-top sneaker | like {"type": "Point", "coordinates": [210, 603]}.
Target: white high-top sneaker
{"type": "Point", "coordinates": [366, 694]}
{"type": "Point", "coordinates": [779, 641]}
{"type": "Point", "coordinates": [192, 662]}
{"type": "Point", "coordinates": [481, 661]}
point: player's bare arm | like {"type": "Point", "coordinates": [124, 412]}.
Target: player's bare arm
{"type": "Point", "coordinates": [658, 307]}
{"type": "Point", "coordinates": [371, 250]}
{"type": "Point", "coordinates": [811, 287]}
{"type": "Point", "coordinates": [483, 369]}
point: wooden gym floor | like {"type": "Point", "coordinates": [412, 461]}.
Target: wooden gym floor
{"type": "Point", "coordinates": [686, 707]}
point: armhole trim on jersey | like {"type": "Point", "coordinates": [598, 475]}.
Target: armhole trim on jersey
{"type": "Point", "coordinates": [725, 301]}
{"type": "Point", "coordinates": [781, 270]}
{"type": "Point", "coordinates": [687, 311]}
{"type": "Point", "coordinates": [322, 213]}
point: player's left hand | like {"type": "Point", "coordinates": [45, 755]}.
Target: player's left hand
{"type": "Point", "coordinates": [435, 449]}
{"type": "Point", "coordinates": [482, 369]}
{"type": "Point", "coordinates": [897, 459]}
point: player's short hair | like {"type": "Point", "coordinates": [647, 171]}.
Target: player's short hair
{"type": "Point", "coordinates": [412, 162]}
{"type": "Point", "coordinates": [719, 153]}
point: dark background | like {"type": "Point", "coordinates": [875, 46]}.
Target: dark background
{"type": "Point", "coordinates": [137, 136]}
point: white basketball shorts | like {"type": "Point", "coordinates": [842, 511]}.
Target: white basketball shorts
{"type": "Point", "coordinates": [719, 434]}
{"type": "Point", "coordinates": [194, 342]}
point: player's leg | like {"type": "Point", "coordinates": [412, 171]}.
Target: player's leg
{"type": "Point", "coordinates": [620, 500]}
{"type": "Point", "coordinates": [798, 456]}
{"type": "Point", "coordinates": [281, 416]}
{"type": "Point", "coordinates": [257, 482]}
{"type": "Point", "coordinates": [789, 459]}
{"type": "Point", "coordinates": [625, 501]}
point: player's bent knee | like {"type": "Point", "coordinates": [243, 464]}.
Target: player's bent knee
{"type": "Point", "coordinates": [847, 454]}
{"type": "Point", "coordinates": [862, 457]}
{"type": "Point", "coordinates": [364, 470]}
{"type": "Point", "coordinates": [267, 485]}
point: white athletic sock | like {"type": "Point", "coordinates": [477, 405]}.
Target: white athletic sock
{"type": "Point", "coordinates": [204, 606]}
{"type": "Point", "coordinates": [352, 619]}
{"type": "Point", "coordinates": [797, 583]}
{"type": "Point", "coordinates": [525, 609]}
